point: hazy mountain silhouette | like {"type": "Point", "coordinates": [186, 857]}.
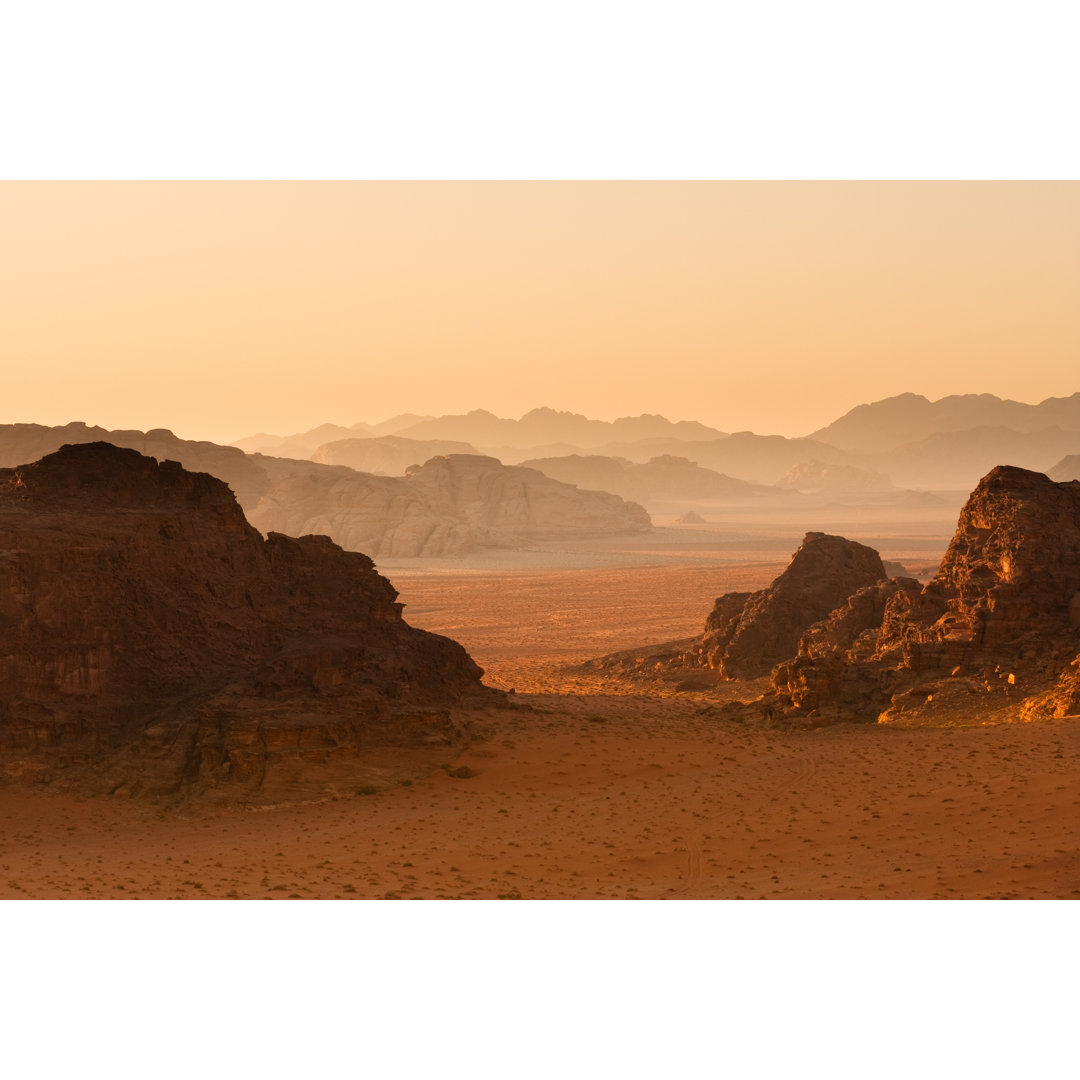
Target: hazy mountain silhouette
{"type": "Point", "coordinates": [450, 506]}
{"type": "Point", "coordinates": [303, 444]}
{"type": "Point", "coordinates": [660, 481]}
{"type": "Point", "coordinates": [398, 423]}
{"type": "Point", "coordinates": [486, 430]}
{"type": "Point", "coordinates": [897, 421]}
{"type": "Point", "coordinates": [957, 459]}
{"type": "Point", "coordinates": [388, 455]}
{"type": "Point", "coordinates": [759, 459]}
{"type": "Point", "coordinates": [1068, 468]}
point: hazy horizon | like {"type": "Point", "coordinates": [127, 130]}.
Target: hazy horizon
{"type": "Point", "coordinates": [218, 309]}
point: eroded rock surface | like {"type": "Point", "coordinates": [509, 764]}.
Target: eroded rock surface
{"type": "Point", "coordinates": [1001, 616]}
{"type": "Point", "coordinates": [994, 635]}
{"type": "Point", "coordinates": [151, 641]}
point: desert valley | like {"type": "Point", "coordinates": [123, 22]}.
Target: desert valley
{"type": "Point", "coordinates": [553, 657]}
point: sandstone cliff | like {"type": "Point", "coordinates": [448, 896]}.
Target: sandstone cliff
{"type": "Point", "coordinates": [152, 641]}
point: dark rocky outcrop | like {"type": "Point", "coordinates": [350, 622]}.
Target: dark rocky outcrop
{"type": "Point", "coordinates": [152, 641]}
{"type": "Point", "coordinates": [1001, 614]}
{"type": "Point", "coordinates": [748, 634]}
{"type": "Point", "coordinates": [994, 635]}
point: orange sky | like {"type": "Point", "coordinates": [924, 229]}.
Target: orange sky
{"type": "Point", "coordinates": [220, 308]}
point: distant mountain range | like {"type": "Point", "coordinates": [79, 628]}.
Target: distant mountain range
{"type": "Point", "coordinates": [450, 505]}
{"type": "Point", "coordinates": [656, 484]}
{"type": "Point", "coordinates": [907, 418]}
{"type": "Point", "coordinates": [905, 441]}
{"type": "Point", "coordinates": [486, 430]}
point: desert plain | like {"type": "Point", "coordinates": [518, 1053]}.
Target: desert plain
{"type": "Point", "coordinates": [578, 787]}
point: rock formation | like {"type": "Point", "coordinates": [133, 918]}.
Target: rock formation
{"type": "Point", "coordinates": [152, 641]}
{"type": "Point", "coordinates": [748, 634]}
{"type": "Point", "coordinates": [996, 632]}
{"type": "Point", "coordinates": [1002, 614]}
{"type": "Point", "coordinates": [442, 509]}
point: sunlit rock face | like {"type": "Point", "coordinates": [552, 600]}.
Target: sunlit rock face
{"type": "Point", "coordinates": [1002, 613]}
{"type": "Point", "coordinates": [151, 636]}
{"type": "Point", "coordinates": [996, 631]}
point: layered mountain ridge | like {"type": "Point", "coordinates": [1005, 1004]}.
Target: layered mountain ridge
{"type": "Point", "coordinates": [451, 505]}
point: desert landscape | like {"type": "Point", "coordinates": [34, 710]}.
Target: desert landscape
{"type": "Point", "coordinates": [572, 791]}
{"type": "Point", "coordinates": [526, 540]}
{"type": "Point", "coordinates": [569, 455]}
{"type": "Point", "coordinates": [573, 777]}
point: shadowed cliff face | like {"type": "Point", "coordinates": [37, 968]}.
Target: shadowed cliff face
{"type": "Point", "coordinates": [151, 638]}
{"type": "Point", "coordinates": [765, 629]}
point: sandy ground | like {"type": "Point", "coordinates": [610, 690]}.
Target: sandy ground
{"type": "Point", "coordinates": [594, 798]}
{"type": "Point", "coordinates": [565, 794]}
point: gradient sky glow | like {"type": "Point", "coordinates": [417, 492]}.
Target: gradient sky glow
{"type": "Point", "coordinates": [221, 308]}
